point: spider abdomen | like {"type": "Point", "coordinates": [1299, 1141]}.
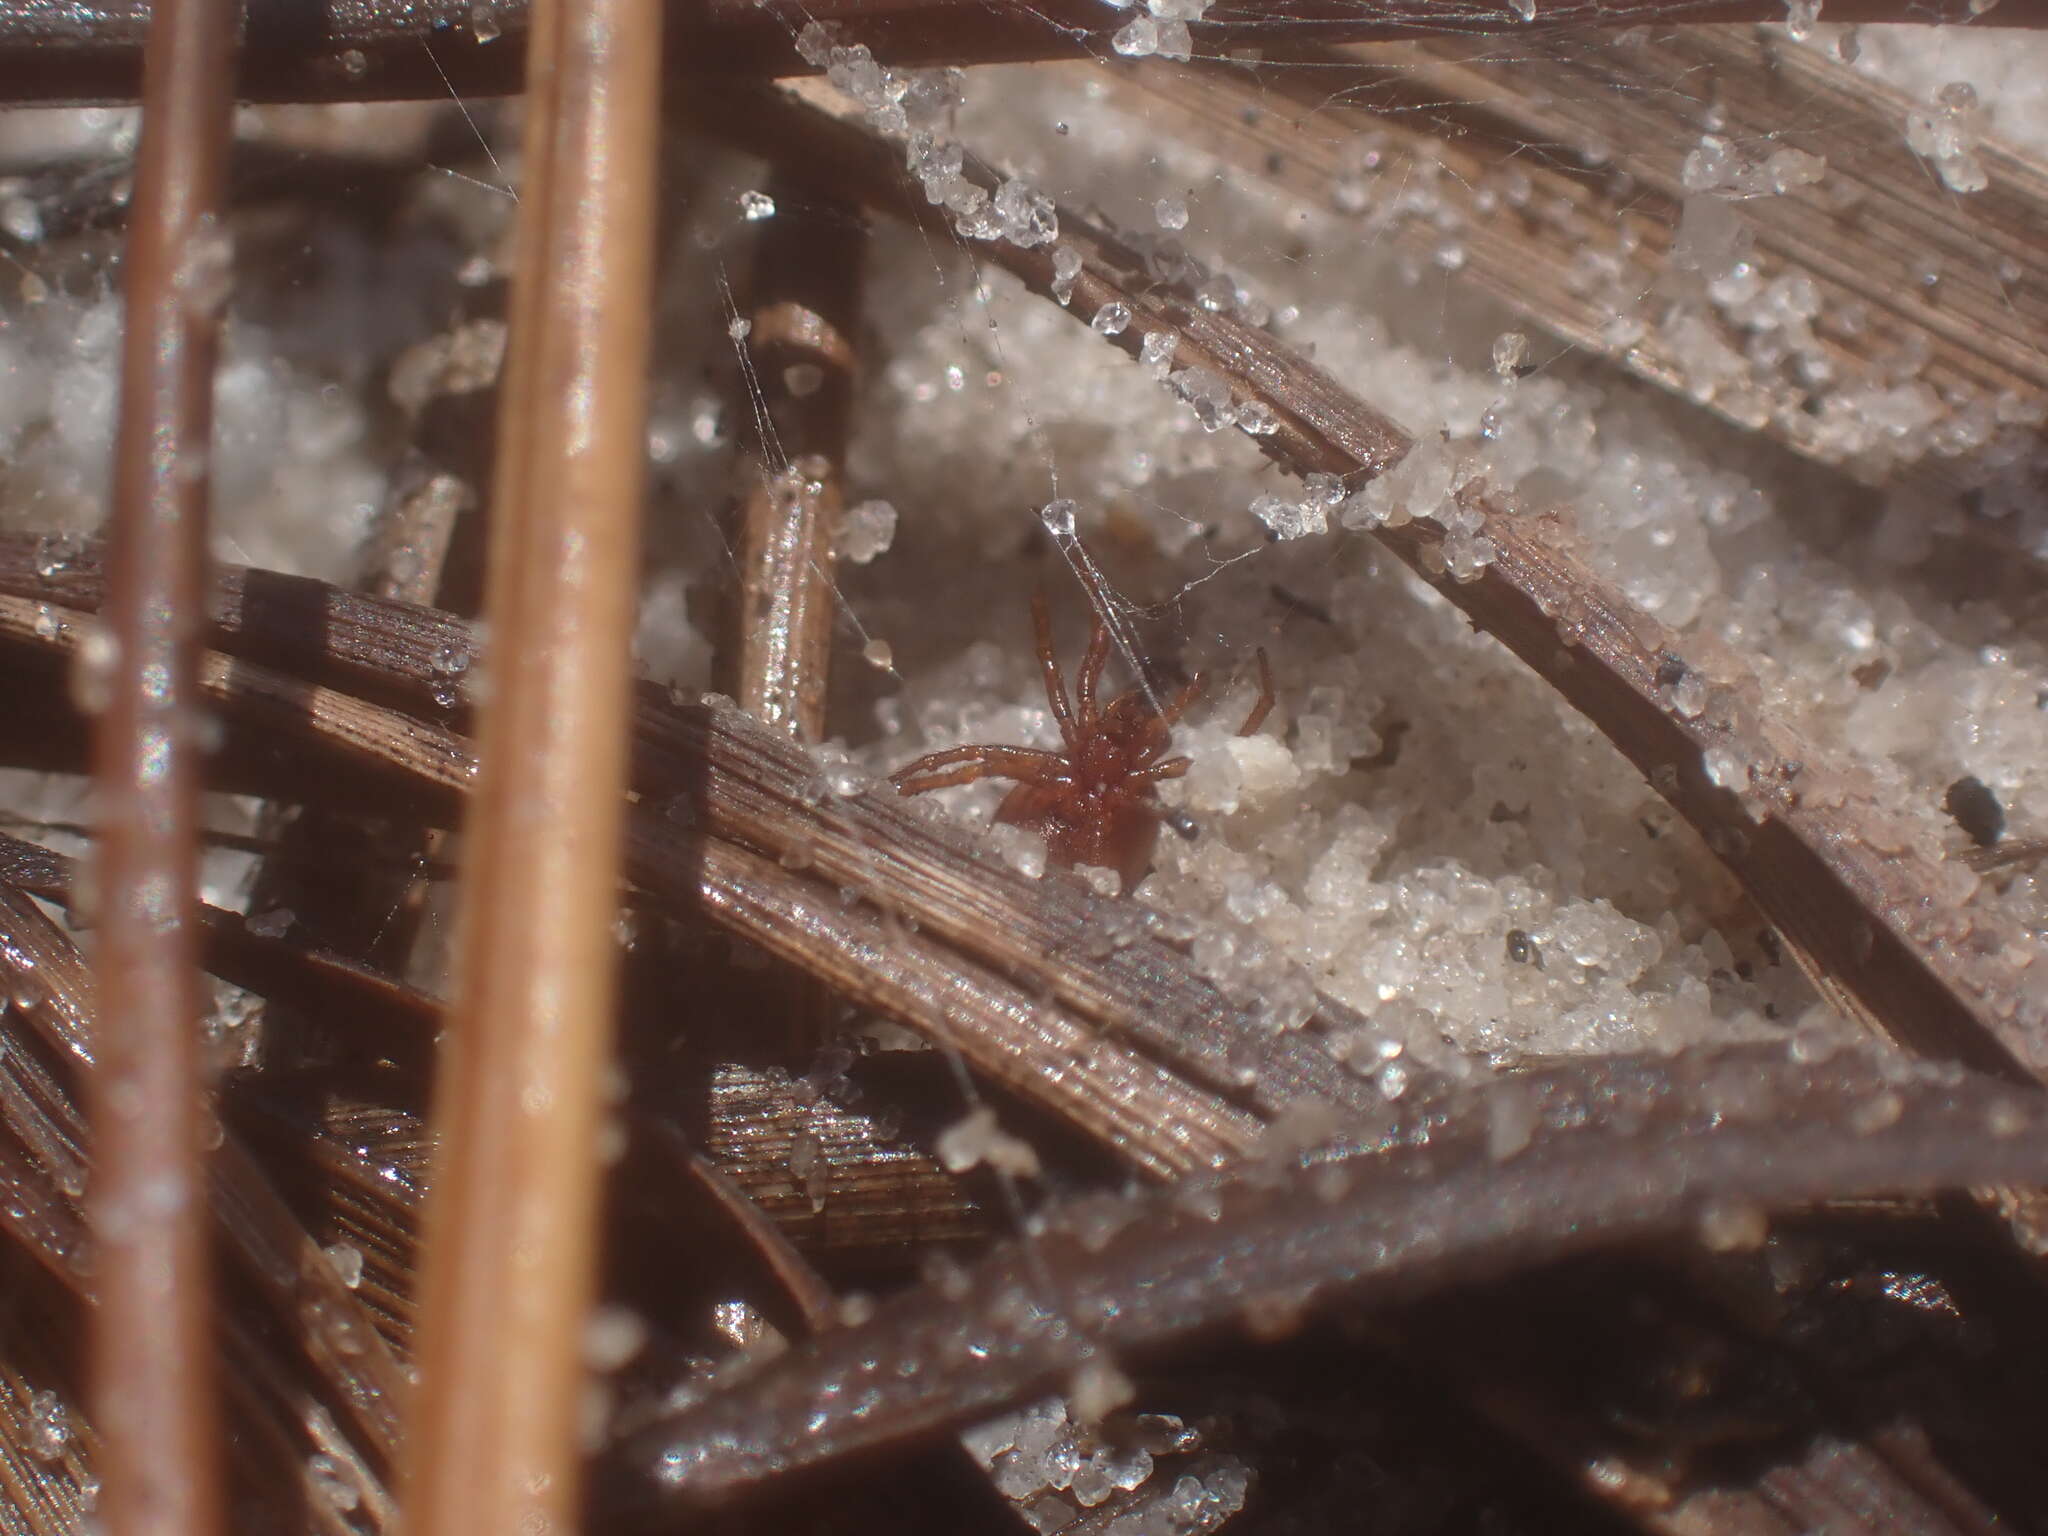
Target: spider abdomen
{"type": "Point", "coordinates": [1085, 825]}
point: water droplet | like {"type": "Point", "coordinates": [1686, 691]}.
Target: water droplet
{"type": "Point", "coordinates": [1687, 695]}
{"type": "Point", "coordinates": [331, 1484]}
{"type": "Point", "coordinates": [55, 552]}
{"type": "Point", "coordinates": [612, 1337]}
{"type": "Point", "coordinates": [21, 218]}
{"type": "Point", "coordinates": [1875, 1113]}
{"type": "Point", "coordinates": [1097, 1389]}
{"type": "Point", "coordinates": [1728, 1226]}
{"type": "Point", "coordinates": [49, 1429]}
{"type": "Point", "coordinates": [1509, 349]}
{"type": "Point", "coordinates": [867, 530]}
{"type": "Point", "coordinates": [1111, 319]}
{"type": "Point", "coordinates": [1257, 418]}
{"type": "Point", "coordinates": [91, 677]}
{"type": "Point", "coordinates": [273, 924]}
{"type": "Point", "coordinates": [206, 272]}
{"type": "Point", "coordinates": [1726, 767]}
{"type": "Point", "coordinates": [1511, 1119]}
{"type": "Point", "coordinates": [347, 1260]}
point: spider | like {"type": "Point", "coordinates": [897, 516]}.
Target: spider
{"type": "Point", "coordinates": [1094, 802]}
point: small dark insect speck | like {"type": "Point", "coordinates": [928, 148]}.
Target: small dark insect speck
{"type": "Point", "coordinates": [1523, 950]}
{"type": "Point", "coordinates": [1976, 810]}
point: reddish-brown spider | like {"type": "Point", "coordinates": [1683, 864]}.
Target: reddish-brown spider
{"type": "Point", "coordinates": [1096, 802]}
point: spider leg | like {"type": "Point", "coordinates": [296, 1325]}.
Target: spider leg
{"type": "Point", "coordinates": [938, 770]}
{"type": "Point", "coordinates": [1263, 705]}
{"type": "Point", "coordinates": [1178, 706]}
{"type": "Point", "coordinates": [1049, 662]}
{"type": "Point", "coordinates": [1092, 663]}
{"type": "Point", "coordinates": [1165, 768]}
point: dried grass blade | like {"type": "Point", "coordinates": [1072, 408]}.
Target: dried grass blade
{"type": "Point", "coordinates": [1107, 960]}
{"type": "Point", "coordinates": [1531, 227]}
{"type": "Point", "coordinates": [797, 375]}
{"type": "Point", "coordinates": [880, 1194]}
{"type": "Point", "coordinates": [1878, 220]}
{"type": "Point", "coordinates": [373, 51]}
{"type": "Point", "coordinates": [1137, 1109]}
{"type": "Point", "coordinates": [265, 1241]}
{"type": "Point", "coordinates": [1130, 1102]}
{"type": "Point", "coordinates": [800, 369]}
{"type": "Point", "coordinates": [1616, 1151]}
{"type": "Point", "coordinates": [400, 1019]}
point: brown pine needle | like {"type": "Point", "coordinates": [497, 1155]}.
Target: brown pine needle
{"type": "Point", "coordinates": [508, 1265]}
{"type": "Point", "coordinates": [151, 1347]}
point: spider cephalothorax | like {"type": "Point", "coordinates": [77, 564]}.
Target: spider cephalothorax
{"type": "Point", "coordinates": [1095, 802]}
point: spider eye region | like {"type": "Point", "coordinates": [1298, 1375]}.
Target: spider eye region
{"type": "Point", "coordinates": [1102, 762]}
